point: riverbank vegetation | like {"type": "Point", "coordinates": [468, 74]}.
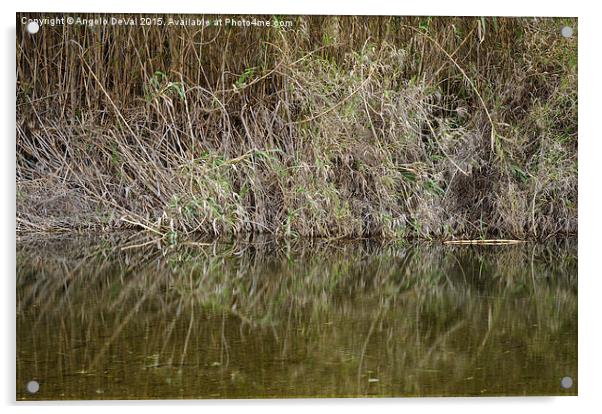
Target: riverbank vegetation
{"type": "Point", "coordinates": [339, 127]}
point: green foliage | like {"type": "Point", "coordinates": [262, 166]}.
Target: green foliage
{"type": "Point", "coordinates": [341, 126]}
{"type": "Point", "coordinates": [244, 78]}
{"type": "Point", "coordinates": [160, 87]}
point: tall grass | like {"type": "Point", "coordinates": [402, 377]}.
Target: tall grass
{"type": "Point", "coordinates": [336, 127]}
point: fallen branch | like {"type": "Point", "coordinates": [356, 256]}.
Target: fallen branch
{"type": "Point", "coordinates": [489, 241]}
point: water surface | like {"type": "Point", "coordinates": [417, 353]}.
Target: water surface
{"type": "Point", "coordinates": [103, 318]}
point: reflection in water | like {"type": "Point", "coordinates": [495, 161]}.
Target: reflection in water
{"type": "Point", "coordinates": [269, 319]}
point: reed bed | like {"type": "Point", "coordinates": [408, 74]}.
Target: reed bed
{"type": "Point", "coordinates": [336, 127]}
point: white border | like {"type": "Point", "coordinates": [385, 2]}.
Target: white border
{"type": "Point", "coordinates": [590, 287]}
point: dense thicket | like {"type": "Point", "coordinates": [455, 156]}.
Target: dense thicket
{"type": "Point", "coordinates": [336, 127]}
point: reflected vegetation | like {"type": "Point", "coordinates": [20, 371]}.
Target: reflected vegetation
{"type": "Point", "coordinates": [118, 318]}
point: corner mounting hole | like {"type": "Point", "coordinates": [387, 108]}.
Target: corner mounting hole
{"type": "Point", "coordinates": [32, 387]}
{"type": "Point", "coordinates": [566, 31]}
{"type": "Point", "coordinates": [32, 27]}
{"type": "Point", "coordinates": [566, 382]}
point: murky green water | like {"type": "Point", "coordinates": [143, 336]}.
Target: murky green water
{"type": "Point", "coordinates": [317, 319]}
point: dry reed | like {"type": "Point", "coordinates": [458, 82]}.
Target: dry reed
{"type": "Point", "coordinates": [336, 127]}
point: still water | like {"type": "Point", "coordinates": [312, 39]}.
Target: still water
{"type": "Point", "coordinates": [116, 318]}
